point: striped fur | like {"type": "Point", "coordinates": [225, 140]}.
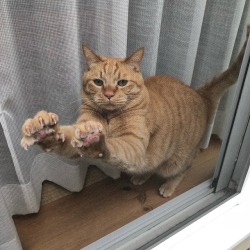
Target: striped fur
{"type": "Point", "coordinates": [138, 126]}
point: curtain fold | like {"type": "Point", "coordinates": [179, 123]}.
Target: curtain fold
{"type": "Point", "coordinates": [180, 32]}
{"type": "Point", "coordinates": [41, 67]}
{"type": "Point", "coordinates": [144, 28]}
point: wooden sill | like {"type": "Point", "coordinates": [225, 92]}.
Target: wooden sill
{"type": "Point", "coordinates": [79, 219]}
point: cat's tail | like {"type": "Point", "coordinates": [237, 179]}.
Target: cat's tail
{"type": "Point", "coordinates": [213, 90]}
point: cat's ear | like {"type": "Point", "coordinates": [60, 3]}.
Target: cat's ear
{"type": "Point", "coordinates": [90, 56]}
{"type": "Point", "coordinates": [135, 59]}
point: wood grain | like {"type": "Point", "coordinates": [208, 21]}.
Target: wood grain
{"type": "Point", "coordinates": [78, 219]}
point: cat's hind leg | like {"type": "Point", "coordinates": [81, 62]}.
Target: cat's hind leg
{"type": "Point", "coordinates": [140, 179]}
{"type": "Point", "coordinates": [168, 188]}
{"type": "Point", "coordinates": [173, 171]}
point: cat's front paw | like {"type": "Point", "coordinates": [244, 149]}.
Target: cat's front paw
{"type": "Point", "coordinates": [86, 134]}
{"type": "Point", "coordinates": [39, 127]}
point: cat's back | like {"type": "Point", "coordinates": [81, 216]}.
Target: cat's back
{"type": "Point", "coordinates": [176, 108]}
{"type": "Point", "coordinates": [167, 86]}
{"type": "Point", "coordinates": [171, 91]}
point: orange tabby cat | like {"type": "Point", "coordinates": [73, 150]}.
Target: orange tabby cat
{"type": "Point", "coordinates": [135, 125]}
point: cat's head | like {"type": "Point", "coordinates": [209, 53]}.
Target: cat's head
{"type": "Point", "coordinates": [112, 84]}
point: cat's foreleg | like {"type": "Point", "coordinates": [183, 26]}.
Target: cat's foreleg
{"type": "Point", "coordinates": [126, 153]}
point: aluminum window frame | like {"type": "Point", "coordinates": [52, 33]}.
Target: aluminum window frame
{"type": "Point", "coordinates": [236, 129]}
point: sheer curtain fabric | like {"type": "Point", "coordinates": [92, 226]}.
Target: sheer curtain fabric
{"type": "Point", "coordinates": [41, 65]}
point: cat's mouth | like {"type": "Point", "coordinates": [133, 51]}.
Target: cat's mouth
{"type": "Point", "coordinates": [111, 105]}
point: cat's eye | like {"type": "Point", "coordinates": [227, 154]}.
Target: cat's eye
{"type": "Point", "coordinates": [122, 82]}
{"type": "Point", "coordinates": [98, 82]}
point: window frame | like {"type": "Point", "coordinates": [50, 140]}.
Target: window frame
{"type": "Point", "coordinates": [168, 219]}
{"type": "Point", "coordinates": [235, 131]}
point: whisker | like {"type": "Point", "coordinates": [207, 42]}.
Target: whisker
{"type": "Point", "coordinates": [76, 101]}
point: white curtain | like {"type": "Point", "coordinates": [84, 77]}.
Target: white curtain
{"type": "Point", "coordinates": [41, 64]}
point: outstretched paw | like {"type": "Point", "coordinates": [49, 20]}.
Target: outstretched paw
{"type": "Point", "coordinates": [38, 128]}
{"type": "Point", "coordinates": [86, 134]}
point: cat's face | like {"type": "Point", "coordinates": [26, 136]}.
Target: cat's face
{"type": "Point", "coordinates": [110, 83]}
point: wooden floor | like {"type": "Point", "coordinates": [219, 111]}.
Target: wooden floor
{"type": "Point", "coordinates": [78, 219]}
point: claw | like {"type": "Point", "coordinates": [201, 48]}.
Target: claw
{"type": "Point", "coordinates": [82, 136]}
{"type": "Point", "coordinates": [60, 136]}
{"type": "Point", "coordinates": [28, 131]}
{"type": "Point", "coordinates": [63, 138]}
{"type": "Point", "coordinates": [26, 142]}
{"type": "Point", "coordinates": [76, 143]}
{"type": "Point", "coordinates": [53, 118]}
{"type": "Point", "coordinates": [41, 121]}
{"type": "Point", "coordinates": [50, 131]}
{"type": "Point", "coordinates": [77, 132]}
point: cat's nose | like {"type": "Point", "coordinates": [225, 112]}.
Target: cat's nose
{"type": "Point", "coordinates": [109, 94]}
